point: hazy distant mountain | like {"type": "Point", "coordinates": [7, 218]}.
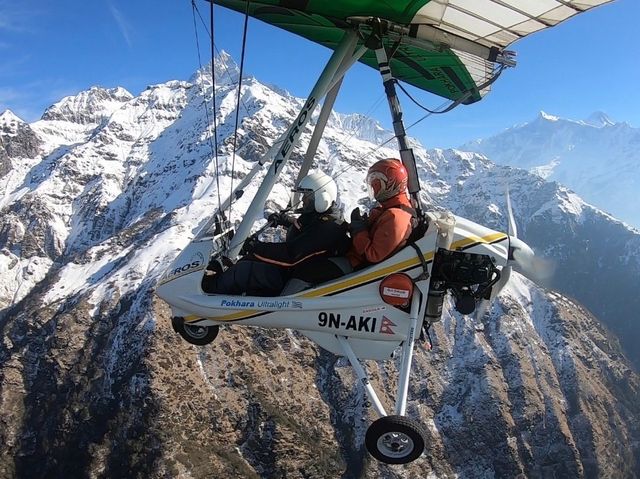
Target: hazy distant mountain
{"type": "Point", "coordinates": [597, 158]}
{"type": "Point", "coordinates": [99, 196]}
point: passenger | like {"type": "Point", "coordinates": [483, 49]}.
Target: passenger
{"type": "Point", "coordinates": [319, 232]}
{"type": "Point", "coordinates": [389, 225]}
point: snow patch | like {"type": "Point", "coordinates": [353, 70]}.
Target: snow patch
{"type": "Point", "coordinates": [74, 278]}
{"type": "Point", "coordinates": [19, 275]}
{"type": "Point", "coordinates": [548, 117]}
{"type": "Point", "coordinates": [545, 171]}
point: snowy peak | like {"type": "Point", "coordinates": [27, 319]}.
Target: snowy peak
{"type": "Point", "coordinates": [226, 67]}
{"type": "Point", "coordinates": [88, 107]}
{"type": "Point", "coordinates": [595, 157]}
{"type": "Point", "coordinates": [547, 117]}
{"type": "Point", "coordinates": [361, 127]}
{"type": "Point", "coordinates": [10, 123]}
{"type": "Point", "coordinates": [599, 120]}
{"type": "Point", "coordinates": [226, 71]}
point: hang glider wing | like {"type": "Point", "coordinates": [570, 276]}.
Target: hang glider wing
{"type": "Point", "coordinates": [447, 47]}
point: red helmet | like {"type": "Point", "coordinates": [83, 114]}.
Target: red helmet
{"type": "Point", "coordinates": [386, 179]}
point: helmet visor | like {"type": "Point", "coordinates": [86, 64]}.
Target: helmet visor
{"type": "Point", "coordinates": [376, 185]}
{"type": "Point", "coordinates": [370, 191]}
{"type": "Point", "coordinates": [307, 199]}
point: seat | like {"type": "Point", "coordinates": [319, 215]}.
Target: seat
{"type": "Point", "coordinates": [335, 267]}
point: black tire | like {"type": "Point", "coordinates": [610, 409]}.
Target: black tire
{"type": "Point", "coordinates": [395, 440]}
{"type": "Point", "coordinates": [195, 334]}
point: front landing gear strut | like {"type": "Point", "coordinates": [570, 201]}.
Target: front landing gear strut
{"type": "Point", "coordinates": [393, 439]}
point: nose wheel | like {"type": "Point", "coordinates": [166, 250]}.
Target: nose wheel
{"type": "Point", "coordinates": [193, 333]}
{"type": "Point", "coordinates": [395, 440]}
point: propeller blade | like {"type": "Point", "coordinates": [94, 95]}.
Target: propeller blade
{"type": "Point", "coordinates": [513, 229]}
{"type": "Point", "coordinates": [524, 259]}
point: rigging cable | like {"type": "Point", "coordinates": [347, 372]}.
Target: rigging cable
{"type": "Point", "coordinates": [429, 113]}
{"type": "Point", "coordinates": [235, 131]}
{"type": "Point", "coordinates": [224, 65]}
{"type": "Point", "coordinates": [213, 99]}
{"type": "Point", "coordinates": [375, 148]}
{"type": "Point", "coordinates": [432, 112]}
{"type": "Point", "coordinates": [214, 150]}
{"type": "Point", "coordinates": [465, 95]}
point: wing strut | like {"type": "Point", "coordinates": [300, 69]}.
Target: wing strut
{"type": "Point", "coordinates": [325, 112]}
{"type": "Point", "coordinates": [374, 42]}
{"type": "Point", "coordinates": [343, 57]}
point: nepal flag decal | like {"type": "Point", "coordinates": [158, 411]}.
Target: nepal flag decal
{"type": "Point", "coordinates": [385, 327]}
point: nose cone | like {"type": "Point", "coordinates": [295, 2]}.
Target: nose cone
{"type": "Point", "coordinates": [162, 291]}
{"type": "Point", "coordinates": [527, 263]}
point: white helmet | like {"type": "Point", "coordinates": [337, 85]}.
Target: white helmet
{"type": "Point", "coordinates": [319, 192]}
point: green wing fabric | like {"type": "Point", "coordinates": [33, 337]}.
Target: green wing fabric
{"type": "Point", "coordinates": [444, 71]}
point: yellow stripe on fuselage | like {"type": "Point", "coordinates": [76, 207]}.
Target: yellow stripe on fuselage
{"type": "Point", "coordinates": [365, 278]}
{"type": "Point", "coordinates": [469, 240]}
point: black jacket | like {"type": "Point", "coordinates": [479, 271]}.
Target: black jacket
{"type": "Point", "coordinates": [317, 235]}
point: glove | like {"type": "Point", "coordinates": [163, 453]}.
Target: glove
{"type": "Point", "coordinates": [279, 218]}
{"type": "Point", "coordinates": [249, 245]}
{"type": "Point", "coordinates": [214, 267]}
{"type": "Point", "coordinates": [358, 222]}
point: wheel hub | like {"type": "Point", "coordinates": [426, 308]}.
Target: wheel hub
{"type": "Point", "coordinates": [197, 332]}
{"type": "Point", "coordinates": [395, 444]}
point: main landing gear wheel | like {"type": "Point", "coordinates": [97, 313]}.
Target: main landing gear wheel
{"type": "Point", "coordinates": [395, 440]}
{"type": "Point", "coordinates": [193, 333]}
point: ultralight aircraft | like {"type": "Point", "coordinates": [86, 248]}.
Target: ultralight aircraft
{"type": "Point", "coordinates": [452, 48]}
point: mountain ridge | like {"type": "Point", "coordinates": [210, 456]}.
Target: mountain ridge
{"type": "Point", "coordinates": [596, 157]}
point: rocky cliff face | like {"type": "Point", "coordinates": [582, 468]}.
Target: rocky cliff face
{"type": "Point", "coordinates": [536, 389]}
{"type": "Point", "coordinates": [93, 381]}
{"type": "Point", "coordinates": [17, 141]}
{"type": "Point", "coordinates": [89, 107]}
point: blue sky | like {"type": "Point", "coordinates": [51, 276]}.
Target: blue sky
{"type": "Point", "coordinates": [52, 49]}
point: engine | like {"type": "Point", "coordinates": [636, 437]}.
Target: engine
{"type": "Point", "coordinates": [469, 277]}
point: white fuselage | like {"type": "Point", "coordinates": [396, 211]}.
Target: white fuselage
{"type": "Point", "coordinates": [350, 306]}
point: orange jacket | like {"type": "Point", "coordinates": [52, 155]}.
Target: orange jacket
{"type": "Point", "coordinates": [388, 229]}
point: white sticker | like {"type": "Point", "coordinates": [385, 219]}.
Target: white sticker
{"type": "Point", "coordinates": [373, 309]}
{"type": "Point", "coordinates": [397, 293]}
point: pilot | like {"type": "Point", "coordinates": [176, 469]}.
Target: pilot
{"type": "Point", "coordinates": [318, 232]}
{"type": "Point", "coordinates": [388, 226]}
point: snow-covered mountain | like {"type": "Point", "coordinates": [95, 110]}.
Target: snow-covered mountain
{"type": "Point", "coordinates": [99, 196]}
{"type": "Point", "coordinates": [597, 158]}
